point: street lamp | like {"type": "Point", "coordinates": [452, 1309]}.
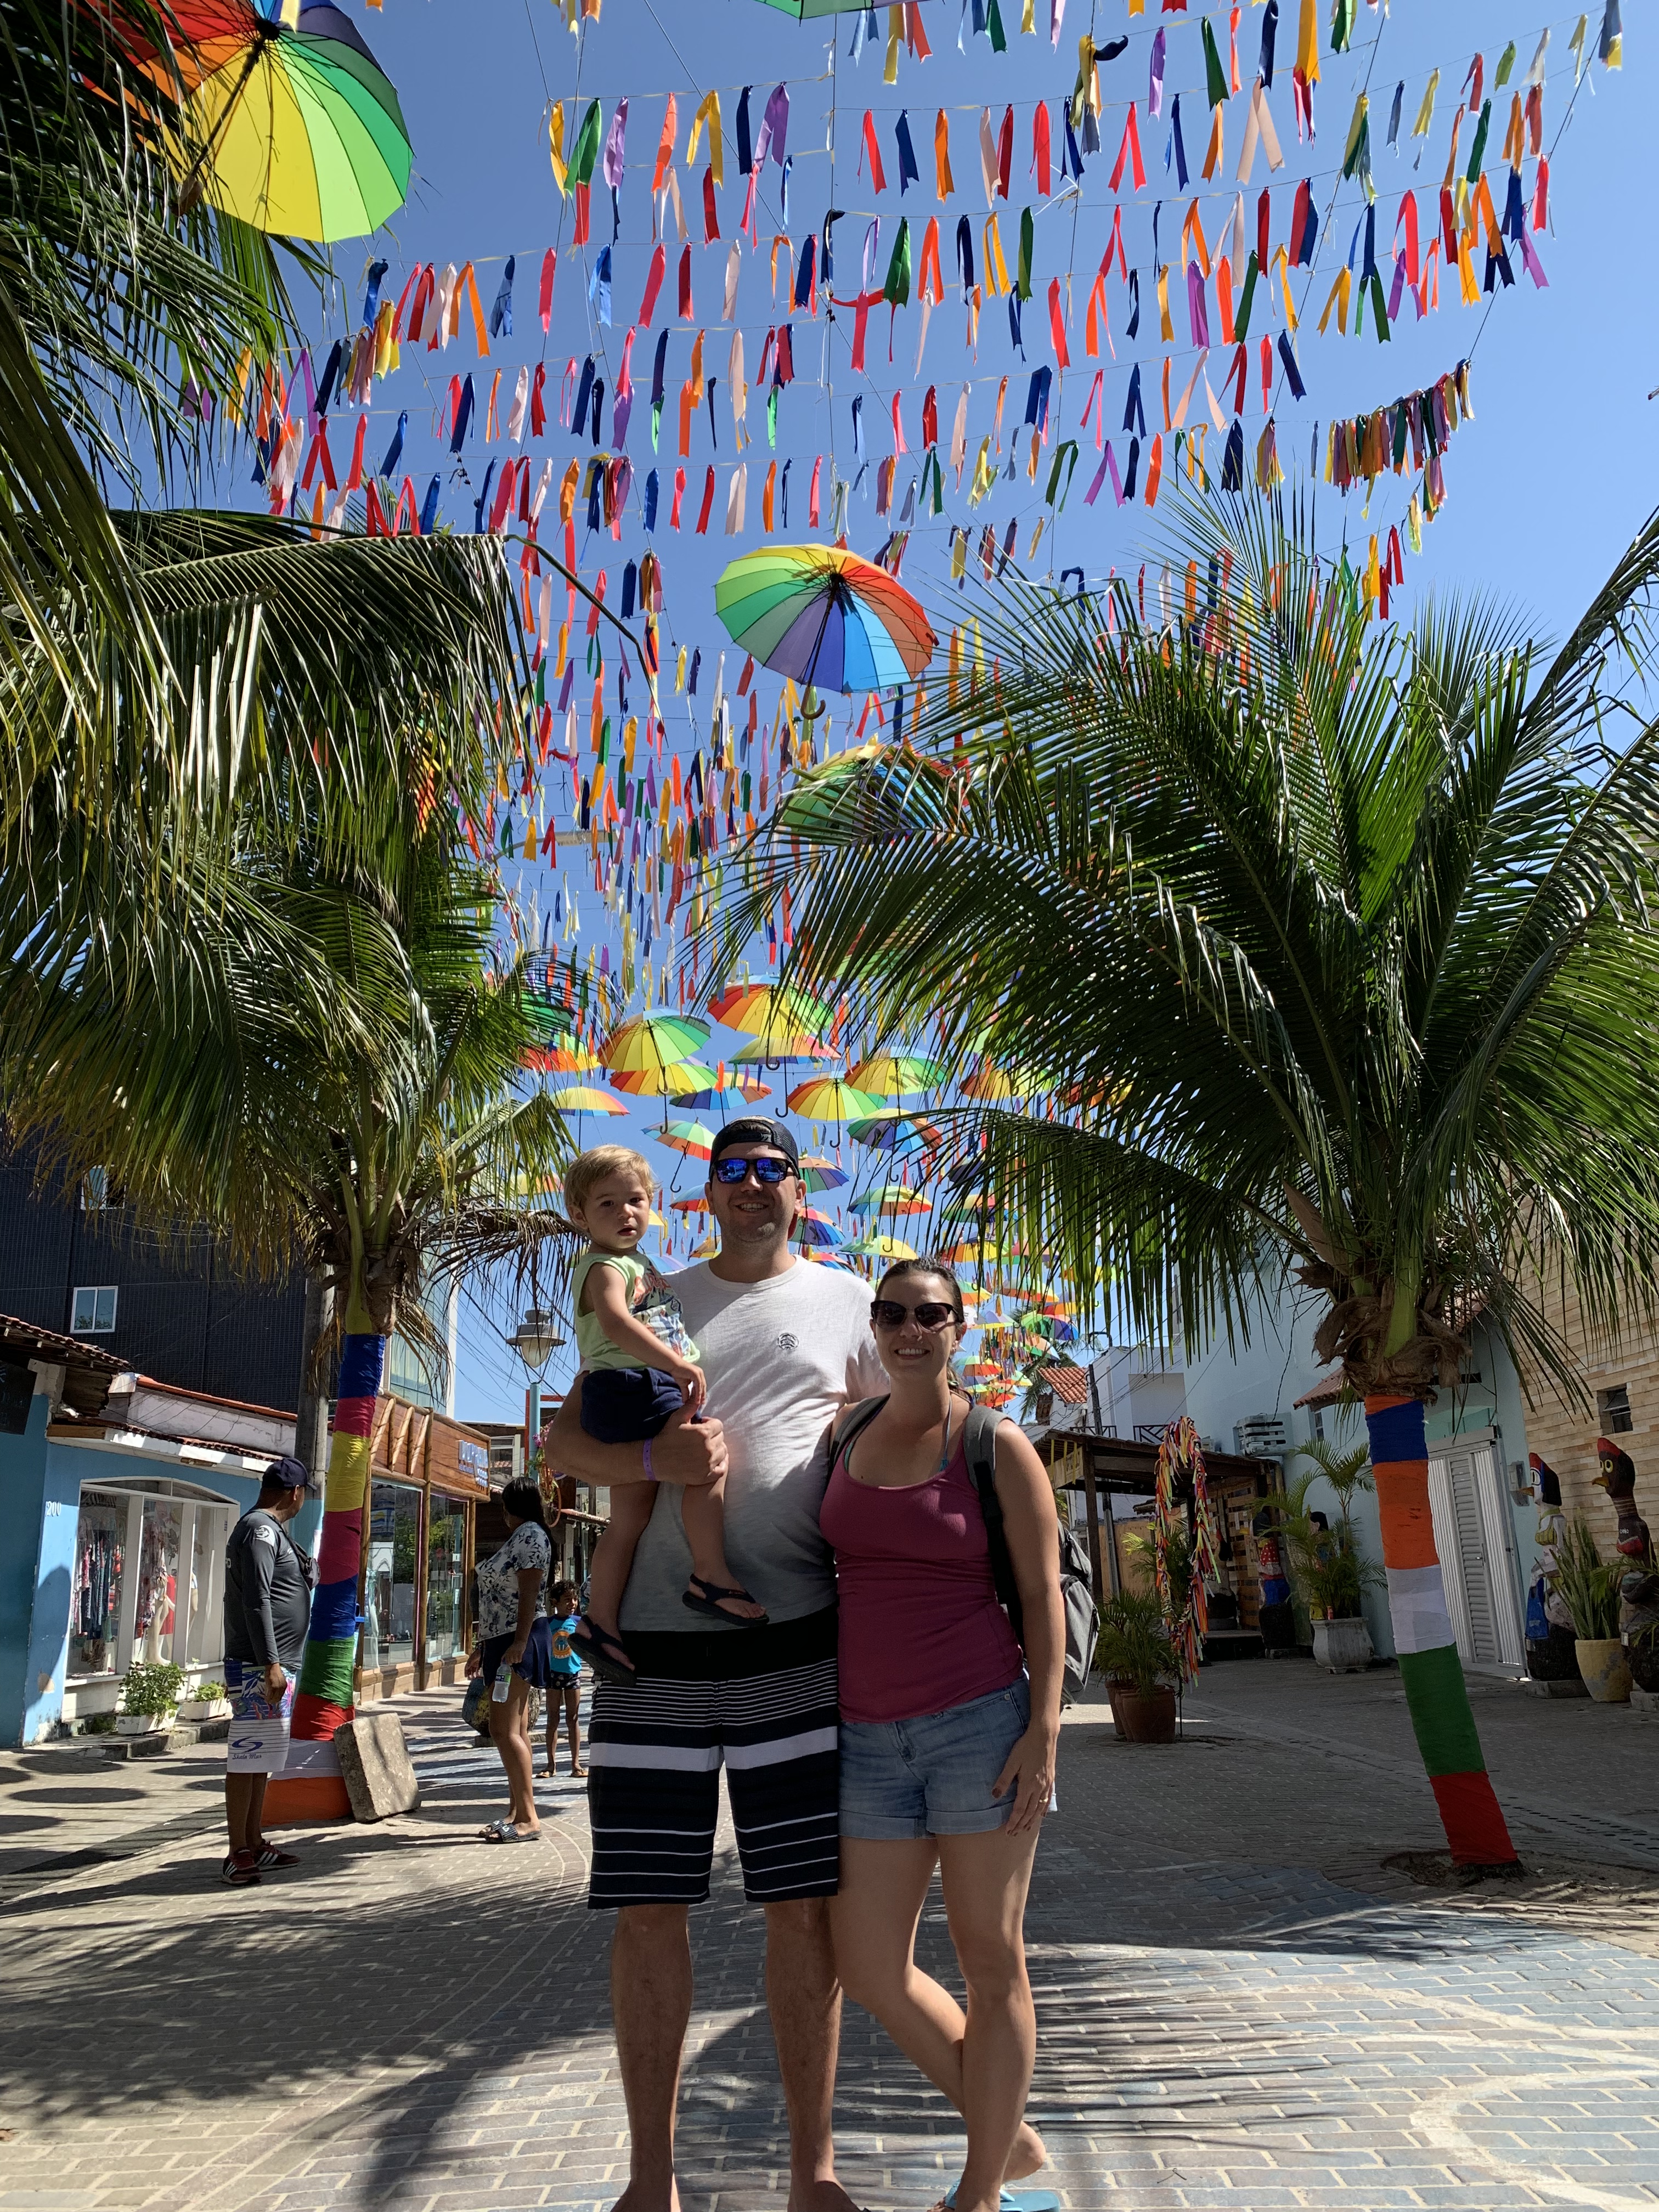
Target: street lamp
{"type": "Point", "coordinates": [537, 1337]}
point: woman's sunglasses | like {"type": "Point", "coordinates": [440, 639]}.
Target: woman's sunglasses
{"type": "Point", "coordinates": [887, 1313]}
{"type": "Point", "coordinates": [767, 1170]}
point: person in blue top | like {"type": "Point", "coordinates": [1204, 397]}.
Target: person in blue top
{"type": "Point", "coordinates": [639, 1369]}
{"type": "Point", "coordinates": [564, 1690]}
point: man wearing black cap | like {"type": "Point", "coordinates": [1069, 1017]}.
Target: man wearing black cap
{"type": "Point", "coordinates": [784, 1345]}
{"type": "Point", "coordinates": [268, 1583]}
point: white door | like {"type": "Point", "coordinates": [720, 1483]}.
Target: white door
{"type": "Point", "coordinates": [1473, 1536]}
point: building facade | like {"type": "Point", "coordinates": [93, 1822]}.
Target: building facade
{"type": "Point", "coordinates": [75, 1261]}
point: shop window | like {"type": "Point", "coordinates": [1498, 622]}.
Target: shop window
{"type": "Point", "coordinates": [394, 1523]}
{"type": "Point", "coordinates": [158, 1578]}
{"type": "Point", "coordinates": [1613, 1408]}
{"type": "Point", "coordinates": [92, 1310]}
{"type": "Point", "coordinates": [96, 1596]}
{"type": "Point", "coordinates": [445, 1549]}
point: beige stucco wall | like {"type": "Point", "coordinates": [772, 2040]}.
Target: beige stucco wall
{"type": "Point", "coordinates": [1565, 1435]}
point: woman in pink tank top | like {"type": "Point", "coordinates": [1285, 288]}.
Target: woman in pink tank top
{"type": "Point", "coordinates": [948, 1730]}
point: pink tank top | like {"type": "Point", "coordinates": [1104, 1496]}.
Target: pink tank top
{"type": "Point", "coordinates": [920, 1627]}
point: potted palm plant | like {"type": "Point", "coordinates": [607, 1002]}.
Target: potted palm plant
{"type": "Point", "coordinates": [1330, 1572]}
{"type": "Point", "coordinates": [1136, 1655]}
{"type": "Point", "coordinates": [1589, 1587]}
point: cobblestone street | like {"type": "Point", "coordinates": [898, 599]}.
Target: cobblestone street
{"type": "Point", "coordinates": [1239, 2005]}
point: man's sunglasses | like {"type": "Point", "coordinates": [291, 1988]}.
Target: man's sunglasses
{"type": "Point", "coordinates": [887, 1313]}
{"type": "Point", "coordinates": [767, 1170]}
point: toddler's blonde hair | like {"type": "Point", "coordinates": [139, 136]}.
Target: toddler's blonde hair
{"type": "Point", "coordinates": [588, 1169]}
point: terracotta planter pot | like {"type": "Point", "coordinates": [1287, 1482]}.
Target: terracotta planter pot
{"type": "Point", "coordinates": [1605, 1665]}
{"type": "Point", "coordinates": [1343, 1647]}
{"type": "Point", "coordinates": [1143, 1715]}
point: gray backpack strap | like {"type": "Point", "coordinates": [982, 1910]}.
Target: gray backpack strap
{"type": "Point", "coordinates": [863, 1413]}
{"type": "Point", "coordinates": [979, 1439]}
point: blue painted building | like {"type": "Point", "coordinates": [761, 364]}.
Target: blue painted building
{"type": "Point", "coordinates": [116, 1495]}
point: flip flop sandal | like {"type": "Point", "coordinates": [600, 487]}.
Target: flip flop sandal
{"type": "Point", "coordinates": [503, 1832]}
{"type": "Point", "coordinates": [707, 1602]}
{"type": "Point", "coordinates": [593, 1644]}
{"type": "Point", "coordinates": [1014, 2200]}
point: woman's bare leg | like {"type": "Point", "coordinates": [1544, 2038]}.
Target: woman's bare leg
{"type": "Point", "coordinates": [510, 1726]}
{"type": "Point", "coordinates": [985, 1880]}
{"type": "Point", "coordinates": [884, 1886]}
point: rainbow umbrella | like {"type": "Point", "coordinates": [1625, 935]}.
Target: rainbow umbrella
{"type": "Point", "coordinates": [650, 1043]}
{"type": "Point", "coordinates": [988, 1086]}
{"type": "Point", "coordinates": [297, 127]}
{"type": "Point", "coordinates": [583, 1099]}
{"type": "Point", "coordinates": [890, 1074]}
{"type": "Point", "coordinates": [813, 1227]}
{"type": "Point", "coordinates": [883, 1248]}
{"type": "Point", "coordinates": [891, 1198]}
{"type": "Point", "coordinates": [830, 1098]}
{"type": "Point", "coordinates": [690, 1137]}
{"type": "Point", "coordinates": [734, 1090]}
{"type": "Point", "coordinates": [902, 1134]}
{"type": "Point", "coordinates": [817, 1174]}
{"type": "Point", "coordinates": [772, 1011]}
{"type": "Point", "coordinates": [671, 1082]}
{"type": "Point", "coordinates": [831, 619]}
{"type": "Point", "coordinates": [565, 1060]}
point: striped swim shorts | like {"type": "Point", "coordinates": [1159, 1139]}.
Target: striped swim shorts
{"type": "Point", "coordinates": [764, 1703]}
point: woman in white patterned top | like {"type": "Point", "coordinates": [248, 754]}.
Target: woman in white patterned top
{"type": "Point", "coordinates": [512, 1631]}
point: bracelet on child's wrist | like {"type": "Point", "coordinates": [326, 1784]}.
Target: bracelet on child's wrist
{"type": "Point", "coordinates": [649, 1475]}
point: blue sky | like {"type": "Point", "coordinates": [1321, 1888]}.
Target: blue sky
{"type": "Point", "coordinates": [1545, 485]}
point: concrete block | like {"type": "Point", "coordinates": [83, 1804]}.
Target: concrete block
{"type": "Point", "coordinates": [376, 1765]}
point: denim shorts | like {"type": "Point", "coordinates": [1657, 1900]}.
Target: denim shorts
{"type": "Point", "coordinates": [932, 1777]}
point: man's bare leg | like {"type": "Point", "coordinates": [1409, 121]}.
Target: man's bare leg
{"type": "Point", "coordinates": [804, 1997]}
{"type": "Point", "coordinates": [651, 2007]}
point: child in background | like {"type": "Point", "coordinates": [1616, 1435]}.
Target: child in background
{"type": "Point", "coordinates": [639, 1370]}
{"type": "Point", "coordinates": [564, 1689]}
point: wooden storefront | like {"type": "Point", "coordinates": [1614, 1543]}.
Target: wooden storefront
{"type": "Point", "coordinates": [429, 1481]}
{"type": "Point", "coordinates": [1088, 1472]}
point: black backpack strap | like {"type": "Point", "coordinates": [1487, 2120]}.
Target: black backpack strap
{"type": "Point", "coordinates": [863, 1413]}
{"type": "Point", "coordinates": [979, 1446]}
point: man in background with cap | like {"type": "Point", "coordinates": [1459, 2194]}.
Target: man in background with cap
{"type": "Point", "coordinates": [267, 1584]}
{"type": "Point", "coordinates": [784, 1345]}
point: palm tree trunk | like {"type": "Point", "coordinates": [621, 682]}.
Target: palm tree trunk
{"type": "Point", "coordinates": [323, 1700]}
{"type": "Point", "coordinates": [310, 1786]}
{"type": "Point", "coordinates": [1430, 1668]}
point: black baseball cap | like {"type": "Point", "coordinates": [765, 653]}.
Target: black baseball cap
{"type": "Point", "coordinates": [756, 1129]}
{"type": "Point", "coordinates": [286, 1473]}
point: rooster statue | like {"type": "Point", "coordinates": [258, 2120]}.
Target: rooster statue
{"type": "Point", "coordinates": [1616, 1474]}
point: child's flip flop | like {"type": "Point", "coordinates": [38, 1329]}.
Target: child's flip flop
{"type": "Point", "coordinates": [707, 1602]}
{"type": "Point", "coordinates": [591, 1644]}
{"type": "Point", "coordinates": [1020, 2200]}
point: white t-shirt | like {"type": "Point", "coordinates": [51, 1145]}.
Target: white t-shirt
{"type": "Point", "coordinates": [781, 1357]}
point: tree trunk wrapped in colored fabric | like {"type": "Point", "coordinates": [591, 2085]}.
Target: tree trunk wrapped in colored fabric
{"type": "Point", "coordinates": [1432, 1674]}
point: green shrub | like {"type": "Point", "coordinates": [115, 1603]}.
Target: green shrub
{"type": "Point", "coordinates": [151, 1689]}
{"type": "Point", "coordinates": [1134, 1645]}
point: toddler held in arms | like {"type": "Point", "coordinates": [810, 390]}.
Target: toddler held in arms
{"type": "Point", "coordinates": [639, 1370]}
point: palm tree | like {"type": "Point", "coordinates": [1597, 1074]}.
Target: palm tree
{"type": "Point", "coordinates": [161, 669]}
{"type": "Point", "coordinates": [1331, 943]}
{"type": "Point", "coordinates": [374, 1126]}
